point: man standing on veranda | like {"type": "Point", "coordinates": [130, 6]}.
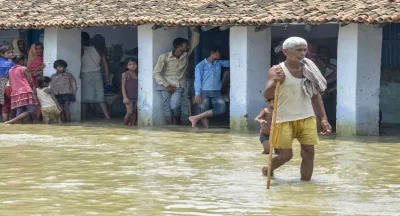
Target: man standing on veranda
{"type": "Point", "coordinates": [299, 94]}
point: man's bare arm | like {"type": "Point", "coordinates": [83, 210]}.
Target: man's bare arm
{"type": "Point", "coordinates": [318, 106]}
{"type": "Point", "coordinates": [271, 83]}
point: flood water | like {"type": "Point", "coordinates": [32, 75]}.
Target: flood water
{"type": "Point", "coordinates": [110, 170]}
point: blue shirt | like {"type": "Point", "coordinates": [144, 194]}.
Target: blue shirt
{"type": "Point", "coordinates": [5, 66]}
{"type": "Point", "coordinates": [207, 76]}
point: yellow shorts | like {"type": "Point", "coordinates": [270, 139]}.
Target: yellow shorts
{"type": "Point", "coordinates": [304, 130]}
{"type": "Point", "coordinates": [49, 111]}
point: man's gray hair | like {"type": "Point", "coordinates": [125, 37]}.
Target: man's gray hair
{"type": "Point", "coordinates": [293, 42]}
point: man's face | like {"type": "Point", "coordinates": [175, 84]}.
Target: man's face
{"type": "Point", "coordinates": [184, 47]}
{"type": "Point", "coordinates": [297, 54]}
{"type": "Point", "coordinates": [216, 55]}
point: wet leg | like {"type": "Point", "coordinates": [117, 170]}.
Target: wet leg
{"type": "Point", "coordinates": [18, 119]}
{"type": "Point", "coordinates": [128, 115]}
{"type": "Point", "coordinates": [58, 118]}
{"type": "Point", "coordinates": [67, 111]}
{"type": "Point", "coordinates": [284, 156]}
{"type": "Point", "coordinates": [307, 163]}
{"type": "Point", "coordinates": [5, 117]}
{"type": "Point", "coordinates": [167, 108]}
{"type": "Point", "coordinates": [103, 107]}
{"type": "Point", "coordinates": [134, 114]}
{"type": "Point", "coordinates": [46, 120]}
{"type": "Point", "coordinates": [266, 147]}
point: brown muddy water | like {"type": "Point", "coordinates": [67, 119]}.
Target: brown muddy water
{"type": "Point", "coordinates": [110, 170]}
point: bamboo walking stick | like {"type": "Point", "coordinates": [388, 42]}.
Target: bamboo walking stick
{"type": "Point", "coordinates": [272, 132]}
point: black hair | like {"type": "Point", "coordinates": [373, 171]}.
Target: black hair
{"type": "Point", "coordinates": [179, 42]}
{"type": "Point", "coordinates": [39, 44]}
{"type": "Point", "coordinates": [42, 80]}
{"type": "Point", "coordinates": [131, 59]}
{"type": "Point", "coordinates": [85, 37]}
{"type": "Point", "coordinates": [213, 48]}
{"type": "Point", "coordinates": [4, 49]}
{"type": "Point", "coordinates": [18, 58]}
{"type": "Point", "coordinates": [60, 62]}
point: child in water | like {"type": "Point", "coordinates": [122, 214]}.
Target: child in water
{"type": "Point", "coordinates": [264, 118]}
{"type": "Point", "coordinates": [63, 86]}
{"type": "Point", "coordinates": [130, 90]}
{"type": "Point", "coordinates": [48, 101]}
{"type": "Point", "coordinates": [23, 95]}
{"type": "Point", "coordinates": [5, 66]}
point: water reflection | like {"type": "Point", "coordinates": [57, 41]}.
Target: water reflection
{"type": "Point", "coordinates": [85, 170]}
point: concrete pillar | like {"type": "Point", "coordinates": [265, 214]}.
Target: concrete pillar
{"type": "Point", "coordinates": [65, 44]}
{"type": "Point", "coordinates": [250, 55]}
{"type": "Point", "coordinates": [358, 80]}
{"type": "Point", "coordinates": [151, 44]}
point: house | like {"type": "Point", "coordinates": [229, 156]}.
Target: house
{"type": "Point", "coordinates": [252, 24]}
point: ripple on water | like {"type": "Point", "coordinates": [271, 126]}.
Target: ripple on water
{"type": "Point", "coordinates": [121, 171]}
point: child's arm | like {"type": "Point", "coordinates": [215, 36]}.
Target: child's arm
{"type": "Point", "coordinates": [49, 91]}
{"type": "Point", "coordinates": [72, 80]}
{"type": "Point", "coordinates": [125, 96]}
{"type": "Point", "coordinates": [259, 119]}
{"type": "Point", "coordinates": [29, 78]}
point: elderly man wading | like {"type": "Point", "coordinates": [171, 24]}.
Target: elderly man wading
{"type": "Point", "coordinates": [299, 100]}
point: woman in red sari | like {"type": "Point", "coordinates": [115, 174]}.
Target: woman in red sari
{"type": "Point", "coordinates": [35, 68]}
{"type": "Point", "coordinates": [35, 62]}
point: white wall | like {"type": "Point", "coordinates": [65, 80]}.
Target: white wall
{"type": "Point", "coordinates": [250, 59]}
{"type": "Point", "coordinates": [358, 81]}
{"type": "Point", "coordinates": [65, 44]}
{"type": "Point", "coordinates": [152, 43]}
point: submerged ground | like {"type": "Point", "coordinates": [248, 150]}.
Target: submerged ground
{"type": "Point", "coordinates": [109, 170]}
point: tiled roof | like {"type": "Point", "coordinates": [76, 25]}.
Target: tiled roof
{"type": "Point", "coordinates": [84, 13]}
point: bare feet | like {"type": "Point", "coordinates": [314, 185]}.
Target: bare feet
{"type": "Point", "coordinates": [265, 171]}
{"type": "Point", "coordinates": [194, 121]}
{"type": "Point", "coordinates": [7, 122]}
{"type": "Point", "coordinates": [265, 152]}
{"type": "Point", "coordinates": [204, 121]}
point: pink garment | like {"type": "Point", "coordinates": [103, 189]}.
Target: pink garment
{"type": "Point", "coordinates": [21, 94]}
{"type": "Point", "coordinates": [34, 62]}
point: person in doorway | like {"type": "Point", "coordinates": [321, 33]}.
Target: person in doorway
{"type": "Point", "coordinates": [170, 74]}
{"type": "Point", "coordinates": [49, 104]}
{"type": "Point", "coordinates": [35, 69]}
{"type": "Point", "coordinates": [23, 95]}
{"type": "Point", "coordinates": [207, 85]}
{"type": "Point", "coordinates": [327, 65]}
{"type": "Point", "coordinates": [130, 87]}
{"type": "Point", "coordinates": [92, 77]}
{"type": "Point", "coordinates": [63, 86]}
{"type": "Point", "coordinates": [35, 62]}
{"type": "Point", "coordinates": [264, 118]}
{"type": "Point", "coordinates": [20, 47]}
{"type": "Point", "coordinates": [299, 95]}
{"type": "Point", "coordinates": [5, 66]}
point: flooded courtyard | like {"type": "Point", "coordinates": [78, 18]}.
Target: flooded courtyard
{"type": "Point", "coordinates": [111, 170]}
